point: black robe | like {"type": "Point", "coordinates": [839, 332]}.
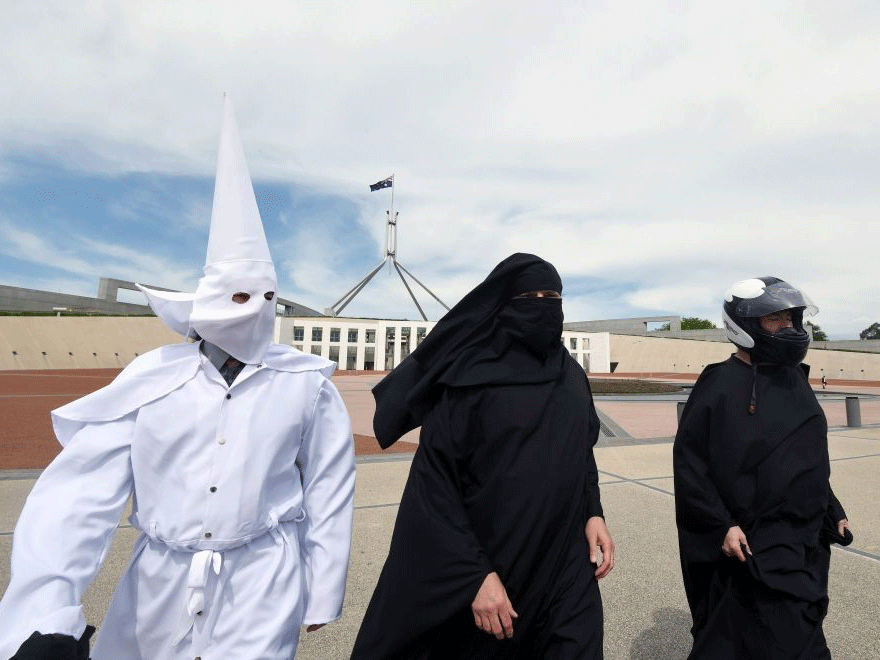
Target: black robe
{"type": "Point", "coordinates": [504, 480]}
{"type": "Point", "coordinates": [767, 472]}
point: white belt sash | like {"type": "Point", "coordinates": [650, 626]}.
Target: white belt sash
{"type": "Point", "coordinates": [199, 569]}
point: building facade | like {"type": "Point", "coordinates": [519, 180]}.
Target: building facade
{"type": "Point", "coordinates": [380, 344]}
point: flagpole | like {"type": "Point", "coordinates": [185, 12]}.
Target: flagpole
{"type": "Point", "coordinates": [392, 194]}
{"type": "Point", "coordinates": [392, 227]}
{"type": "Point", "coordinates": [390, 253]}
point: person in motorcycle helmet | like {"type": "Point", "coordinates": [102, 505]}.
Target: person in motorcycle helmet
{"type": "Point", "coordinates": [754, 508]}
{"type": "Point", "coordinates": [764, 318]}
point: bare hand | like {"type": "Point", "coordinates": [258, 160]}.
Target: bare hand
{"type": "Point", "coordinates": [842, 526]}
{"type": "Point", "coordinates": [734, 543]}
{"type": "Point", "coordinates": [599, 538]}
{"type": "Point", "coordinates": [315, 626]}
{"type": "Point", "coordinates": [492, 610]}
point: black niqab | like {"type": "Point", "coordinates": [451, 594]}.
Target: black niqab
{"type": "Point", "coordinates": [504, 480]}
{"type": "Point", "coordinates": [487, 338]}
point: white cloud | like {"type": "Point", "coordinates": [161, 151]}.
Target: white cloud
{"type": "Point", "coordinates": [84, 258]}
{"type": "Point", "coordinates": [666, 149]}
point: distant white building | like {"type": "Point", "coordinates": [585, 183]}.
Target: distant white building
{"type": "Point", "coordinates": [378, 344]}
{"type": "Point", "coordinates": [592, 350]}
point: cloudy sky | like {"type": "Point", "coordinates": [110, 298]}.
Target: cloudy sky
{"type": "Point", "coordinates": [655, 152]}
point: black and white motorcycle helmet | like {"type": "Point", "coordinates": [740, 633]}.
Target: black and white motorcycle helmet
{"type": "Point", "coordinates": [747, 301]}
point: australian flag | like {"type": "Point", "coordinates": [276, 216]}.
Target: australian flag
{"type": "Point", "coordinates": [384, 183]}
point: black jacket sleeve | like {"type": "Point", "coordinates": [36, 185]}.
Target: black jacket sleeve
{"type": "Point", "coordinates": [454, 547]}
{"type": "Point", "coordinates": [835, 508]}
{"type": "Point", "coordinates": [833, 515]}
{"type": "Point", "coordinates": [700, 513]}
{"type": "Point", "coordinates": [436, 564]}
{"type": "Point", "coordinates": [699, 509]}
{"type": "Point", "coordinates": [594, 501]}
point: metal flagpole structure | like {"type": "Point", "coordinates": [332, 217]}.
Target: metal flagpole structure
{"type": "Point", "coordinates": [390, 255]}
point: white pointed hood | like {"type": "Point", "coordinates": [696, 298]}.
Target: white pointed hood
{"type": "Point", "coordinates": [238, 261]}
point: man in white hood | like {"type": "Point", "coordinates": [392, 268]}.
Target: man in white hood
{"type": "Point", "coordinates": [237, 455]}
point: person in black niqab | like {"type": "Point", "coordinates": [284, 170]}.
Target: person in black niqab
{"type": "Point", "coordinates": [754, 508]}
{"type": "Point", "coordinates": [488, 557]}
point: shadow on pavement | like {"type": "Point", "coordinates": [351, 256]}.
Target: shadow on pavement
{"type": "Point", "coordinates": [669, 638]}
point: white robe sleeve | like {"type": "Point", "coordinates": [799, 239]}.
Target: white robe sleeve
{"type": "Point", "coordinates": [326, 461]}
{"type": "Point", "coordinates": [64, 532]}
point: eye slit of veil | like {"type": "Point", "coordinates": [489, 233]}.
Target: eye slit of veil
{"type": "Point", "coordinates": [539, 294]}
{"type": "Point", "coordinates": [241, 297]}
{"type": "Point", "coordinates": [269, 295]}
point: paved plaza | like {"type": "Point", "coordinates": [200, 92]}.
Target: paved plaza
{"type": "Point", "coordinates": [646, 615]}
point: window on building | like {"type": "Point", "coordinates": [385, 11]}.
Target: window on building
{"type": "Point", "coordinates": [334, 354]}
{"type": "Point", "coordinates": [317, 334]}
{"type": "Point", "coordinates": [352, 336]}
{"type": "Point", "coordinates": [572, 343]}
{"type": "Point", "coordinates": [389, 349]}
{"type": "Point", "coordinates": [585, 343]}
{"type": "Point", "coordinates": [334, 335]}
{"type": "Point", "coordinates": [298, 347]}
{"type": "Point", "coordinates": [370, 337]}
{"type": "Point", "coordinates": [404, 342]}
{"type": "Point", "coordinates": [316, 350]}
{"type": "Point", "coordinates": [369, 358]}
{"type": "Point", "coordinates": [299, 333]}
{"type": "Point", "coordinates": [351, 358]}
{"type": "Point", "coordinates": [586, 362]}
{"type": "Point", "coordinates": [420, 335]}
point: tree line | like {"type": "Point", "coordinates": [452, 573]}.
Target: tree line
{"type": "Point", "coordinates": [696, 323]}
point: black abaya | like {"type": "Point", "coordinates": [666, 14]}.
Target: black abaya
{"type": "Point", "coordinates": [504, 480]}
{"type": "Point", "coordinates": [766, 472]}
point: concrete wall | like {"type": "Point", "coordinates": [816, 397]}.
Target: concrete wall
{"type": "Point", "coordinates": [720, 335]}
{"type": "Point", "coordinates": [16, 299]}
{"type": "Point", "coordinates": [647, 354]}
{"type": "Point", "coordinates": [634, 326]}
{"type": "Point", "coordinates": [655, 354]}
{"type": "Point", "coordinates": [859, 345]}
{"type": "Point", "coordinates": [69, 342]}
{"type": "Point", "coordinates": [715, 334]}
{"type": "Point", "coordinates": [844, 364]}
{"type": "Point", "coordinates": [78, 342]}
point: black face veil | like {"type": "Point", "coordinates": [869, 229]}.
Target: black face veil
{"type": "Point", "coordinates": [487, 338]}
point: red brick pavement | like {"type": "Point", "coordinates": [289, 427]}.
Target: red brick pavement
{"type": "Point", "coordinates": [26, 398]}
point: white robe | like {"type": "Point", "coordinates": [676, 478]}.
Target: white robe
{"type": "Point", "coordinates": [242, 494]}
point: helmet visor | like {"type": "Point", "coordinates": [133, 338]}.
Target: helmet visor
{"type": "Point", "coordinates": [776, 297]}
